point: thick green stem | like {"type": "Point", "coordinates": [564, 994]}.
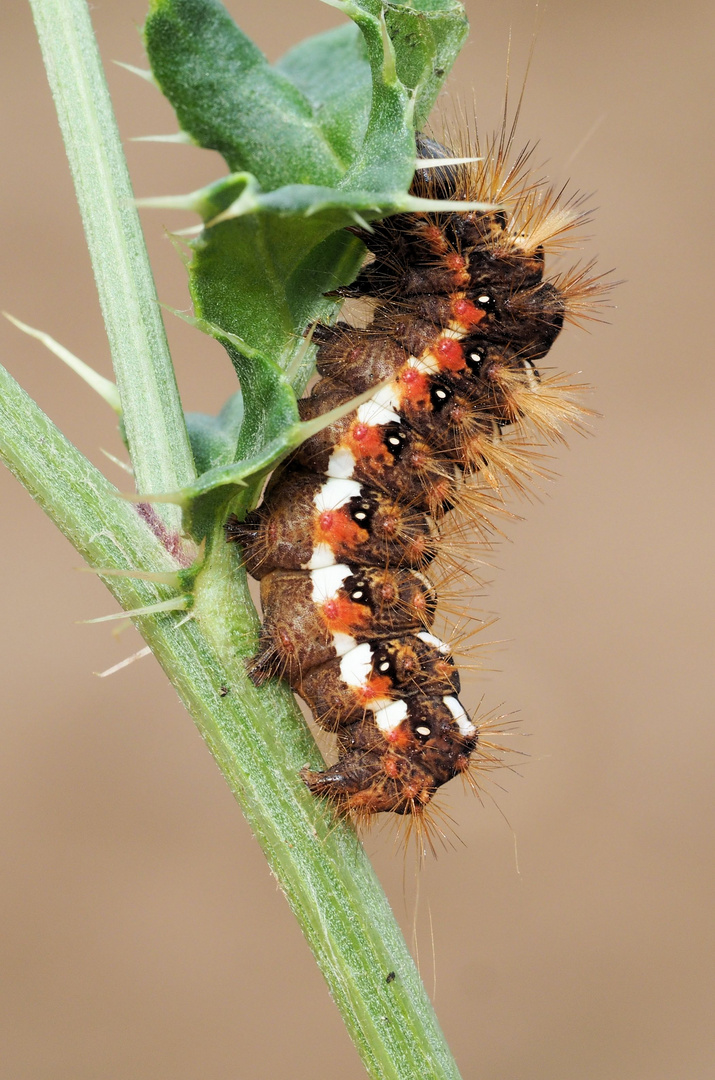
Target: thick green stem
{"type": "Point", "coordinates": [153, 418]}
{"type": "Point", "coordinates": [259, 740]}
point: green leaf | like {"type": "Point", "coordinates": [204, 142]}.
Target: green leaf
{"type": "Point", "coordinates": [259, 270]}
{"type": "Point", "coordinates": [208, 498]}
{"type": "Point", "coordinates": [333, 72]}
{"type": "Point", "coordinates": [255, 288]}
{"type": "Point", "coordinates": [228, 98]}
{"type": "Point", "coordinates": [427, 36]}
{"type": "Point", "coordinates": [385, 160]}
{"type": "Point", "coordinates": [344, 73]}
{"type": "Point", "coordinates": [214, 438]}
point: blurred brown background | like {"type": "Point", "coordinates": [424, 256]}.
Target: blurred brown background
{"type": "Point", "coordinates": [143, 936]}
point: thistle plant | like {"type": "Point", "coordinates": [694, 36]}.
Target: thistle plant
{"type": "Point", "coordinates": [318, 142]}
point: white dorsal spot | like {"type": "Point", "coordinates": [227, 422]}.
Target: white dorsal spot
{"type": "Point", "coordinates": [426, 363]}
{"type": "Point", "coordinates": [430, 639]}
{"type": "Point", "coordinates": [388, 397]}
{"type": "Point", "coordinates": [322, 556]}
{"type": "Point", "coordinates": [465, 725]}
{"type": "Point", "coordinates": [343, 643]}
{"type": "Point", "coordinates": [377, 704]}
{"type": "Point", "coordinates": [391, 716]}
{"type": "Point", "coordinates": [374, 413]}
{"type": "Point", "coordinates": [356, 665]}
{"type": "Point", "coordinates": [334, 493]}
{"type": "Point", "coordinates": [328, 581]}
{"type": "Point", "coordinates": [341, 463]}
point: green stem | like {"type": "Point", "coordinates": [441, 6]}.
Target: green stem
{"type": "Point", "coordinates": [153, 418]}
{"type": "Point", "coordinates": [259, 740]}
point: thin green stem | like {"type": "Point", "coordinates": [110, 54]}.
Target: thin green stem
{"type": "Point", "coordinates": [259, 740]}
{"type": "Point", "coordinates": [153, 418]}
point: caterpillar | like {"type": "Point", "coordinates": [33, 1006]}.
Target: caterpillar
{"type": "Point", "coordinates": [462, 316]}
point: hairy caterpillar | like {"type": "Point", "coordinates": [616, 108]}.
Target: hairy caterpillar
{"type": "Point", "coordinates": [462, 316]}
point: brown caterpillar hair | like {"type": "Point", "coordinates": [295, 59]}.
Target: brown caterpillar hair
{"type": "Point", "coordinates": [462, 317]}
